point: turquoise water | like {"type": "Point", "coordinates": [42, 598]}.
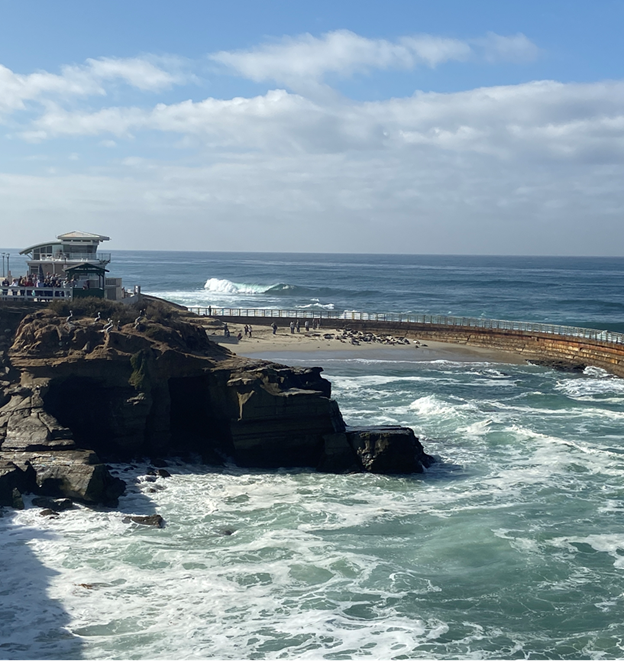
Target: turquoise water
{"type": "Point", "coordinates": [510, 546]}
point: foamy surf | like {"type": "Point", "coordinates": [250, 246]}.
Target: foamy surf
{"type": "Point", "coordinates": [223, 287]}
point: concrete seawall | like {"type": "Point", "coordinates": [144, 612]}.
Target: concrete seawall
{"type": "Point", "coordinates": [530, 345]}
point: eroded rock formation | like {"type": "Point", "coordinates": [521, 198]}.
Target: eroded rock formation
{"type": "Point", "coordinates": [77, 391]}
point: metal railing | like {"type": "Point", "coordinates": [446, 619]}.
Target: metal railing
{"type": "Point", "coordinates": [76, 257]}
{"type": "Point", "coordinates": [35, 294]}
{"type": "Point", "coordinates": [606, 336]}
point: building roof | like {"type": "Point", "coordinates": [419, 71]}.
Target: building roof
{"type": "Point", "coordinates": [39, 245]}
{"type": "Point", "coordinates": [82, 235]}
{"type": "Point", "coordinates": [63, 237]}
{"type": "Point", "coordinates": [86, 268]}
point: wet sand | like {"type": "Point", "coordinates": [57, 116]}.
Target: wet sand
{"type": "Point", "coordinates": [284, 346]}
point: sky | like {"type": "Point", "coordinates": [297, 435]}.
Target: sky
{"type": "Point", "coordinates": [403, 126]}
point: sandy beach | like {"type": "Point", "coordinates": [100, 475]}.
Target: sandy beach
{"type": "Point", "coordinates": [284, 345]}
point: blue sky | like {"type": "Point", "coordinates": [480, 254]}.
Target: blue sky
{"type": "Point", "coordinates": [417, 127]}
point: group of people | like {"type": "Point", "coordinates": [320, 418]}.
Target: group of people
{"type": "Point", "coordinates": [35, 281]}
{"type": "Point", "coordinates": [296, 325]}
{"type": "Point", "coordinates": [248, 331]}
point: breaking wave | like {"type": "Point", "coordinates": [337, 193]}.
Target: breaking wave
{"type": "Point", "coordinates": [227, 287]}
{"type": "Point", "coordinates": [222, 286]}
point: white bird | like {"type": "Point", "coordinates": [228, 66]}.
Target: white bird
{"type": "Point", "coordinates": [99, 316]}
{"type": "Point", "coordinates": [71, 314]}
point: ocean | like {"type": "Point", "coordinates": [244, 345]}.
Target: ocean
{"type": "Point", "coordinates": [510, 546]}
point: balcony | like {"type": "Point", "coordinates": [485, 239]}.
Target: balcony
{"type": "Point", "coordinates": [75, 257]}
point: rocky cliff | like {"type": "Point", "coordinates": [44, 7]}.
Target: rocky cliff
{"type": "Point", "coordinates": [77, 391]}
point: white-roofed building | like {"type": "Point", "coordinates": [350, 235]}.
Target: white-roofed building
{"type": "Point", "coordinates": [57, 260]}
{"type": "Point", "coordinates": [70, 249]}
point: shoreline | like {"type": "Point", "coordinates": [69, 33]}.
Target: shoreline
{"type": "Point", "coordinates": [283, 346]}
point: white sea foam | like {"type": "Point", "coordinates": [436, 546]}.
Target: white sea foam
{"type": "Point", "coordinates": [610, 543]}
{"type": "Point", "coordinates": [433, 406]}
{"type": "Point", "coordinates": [316, 305]}
{"type": "Point", "coordinates": [588, 389]}
{"type": "Point", "coordinates": [274, 585]}
{"type": "Point", "coordinates": [597, 372]}
{"type": "Point", "coordinates": [477, 428]}
{"type": "Point", "coordinates": [221, 286]}
{"type": "Point", "coordinates": [373, 381]}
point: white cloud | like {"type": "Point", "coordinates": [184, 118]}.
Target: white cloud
{"type": "Point", "coordinates": [424, 201]}
{"type": "Point", "coordinates": [515, 48]}
{"type": "Point", "coordinates": [295, 61]}
{"type": "Point", "coordinates": [542, 119]}
{"type": "Point", "coordinates": [138, 72]}
{"type": "Point", "coordinates": [84, 80]}
{"type": "Point", "coordinates": [342, 52]}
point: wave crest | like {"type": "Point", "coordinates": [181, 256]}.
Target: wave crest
{"type": "Point", "coordinates": [223, 286]}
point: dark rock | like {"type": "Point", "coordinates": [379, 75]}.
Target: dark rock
{"type": "Point", "coordinates": [388, 450]}
{"type": "Point", "coordinates": [158, 472]}
{"type": "Point", "coordinates": [75, 474]}
{"type": "Point", "coordinates": [338, 455]}
{"type": "Point", "coordinates": [56, 504]}
{"type": "Point", "coordinates": [30, 428]}
{"type": "Point", "coordinates": [226, 532]}
{"type": "Point", "coordinates": [149, 520]}
{"type": "Point", "coordinates": [49, 512]}
{"type": "Point", "coordinates": [281, 428]}
{"type": "Point", "coordinates": [17, 501]}
{"type": "Point", "coordinates": [13, 476]}
{"type": "Point", "coordinates": [560, 365]}
{"type": "Point", "coordinates": [374, 449]}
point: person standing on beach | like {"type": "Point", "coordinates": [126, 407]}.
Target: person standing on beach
{"type": "Point", "coordinates": [274, 327]}
{"type": "Point", "coordinates": [292, 327]}
{"type": "Point", "coordinates": [307, 325]}
{"type": "Point", "coordinates": [298, 326]}
{"type": "Point", "coordinates": [249, 329]}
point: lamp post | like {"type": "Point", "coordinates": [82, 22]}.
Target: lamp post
{"type": "Point", "coordinates": [3, 265]}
